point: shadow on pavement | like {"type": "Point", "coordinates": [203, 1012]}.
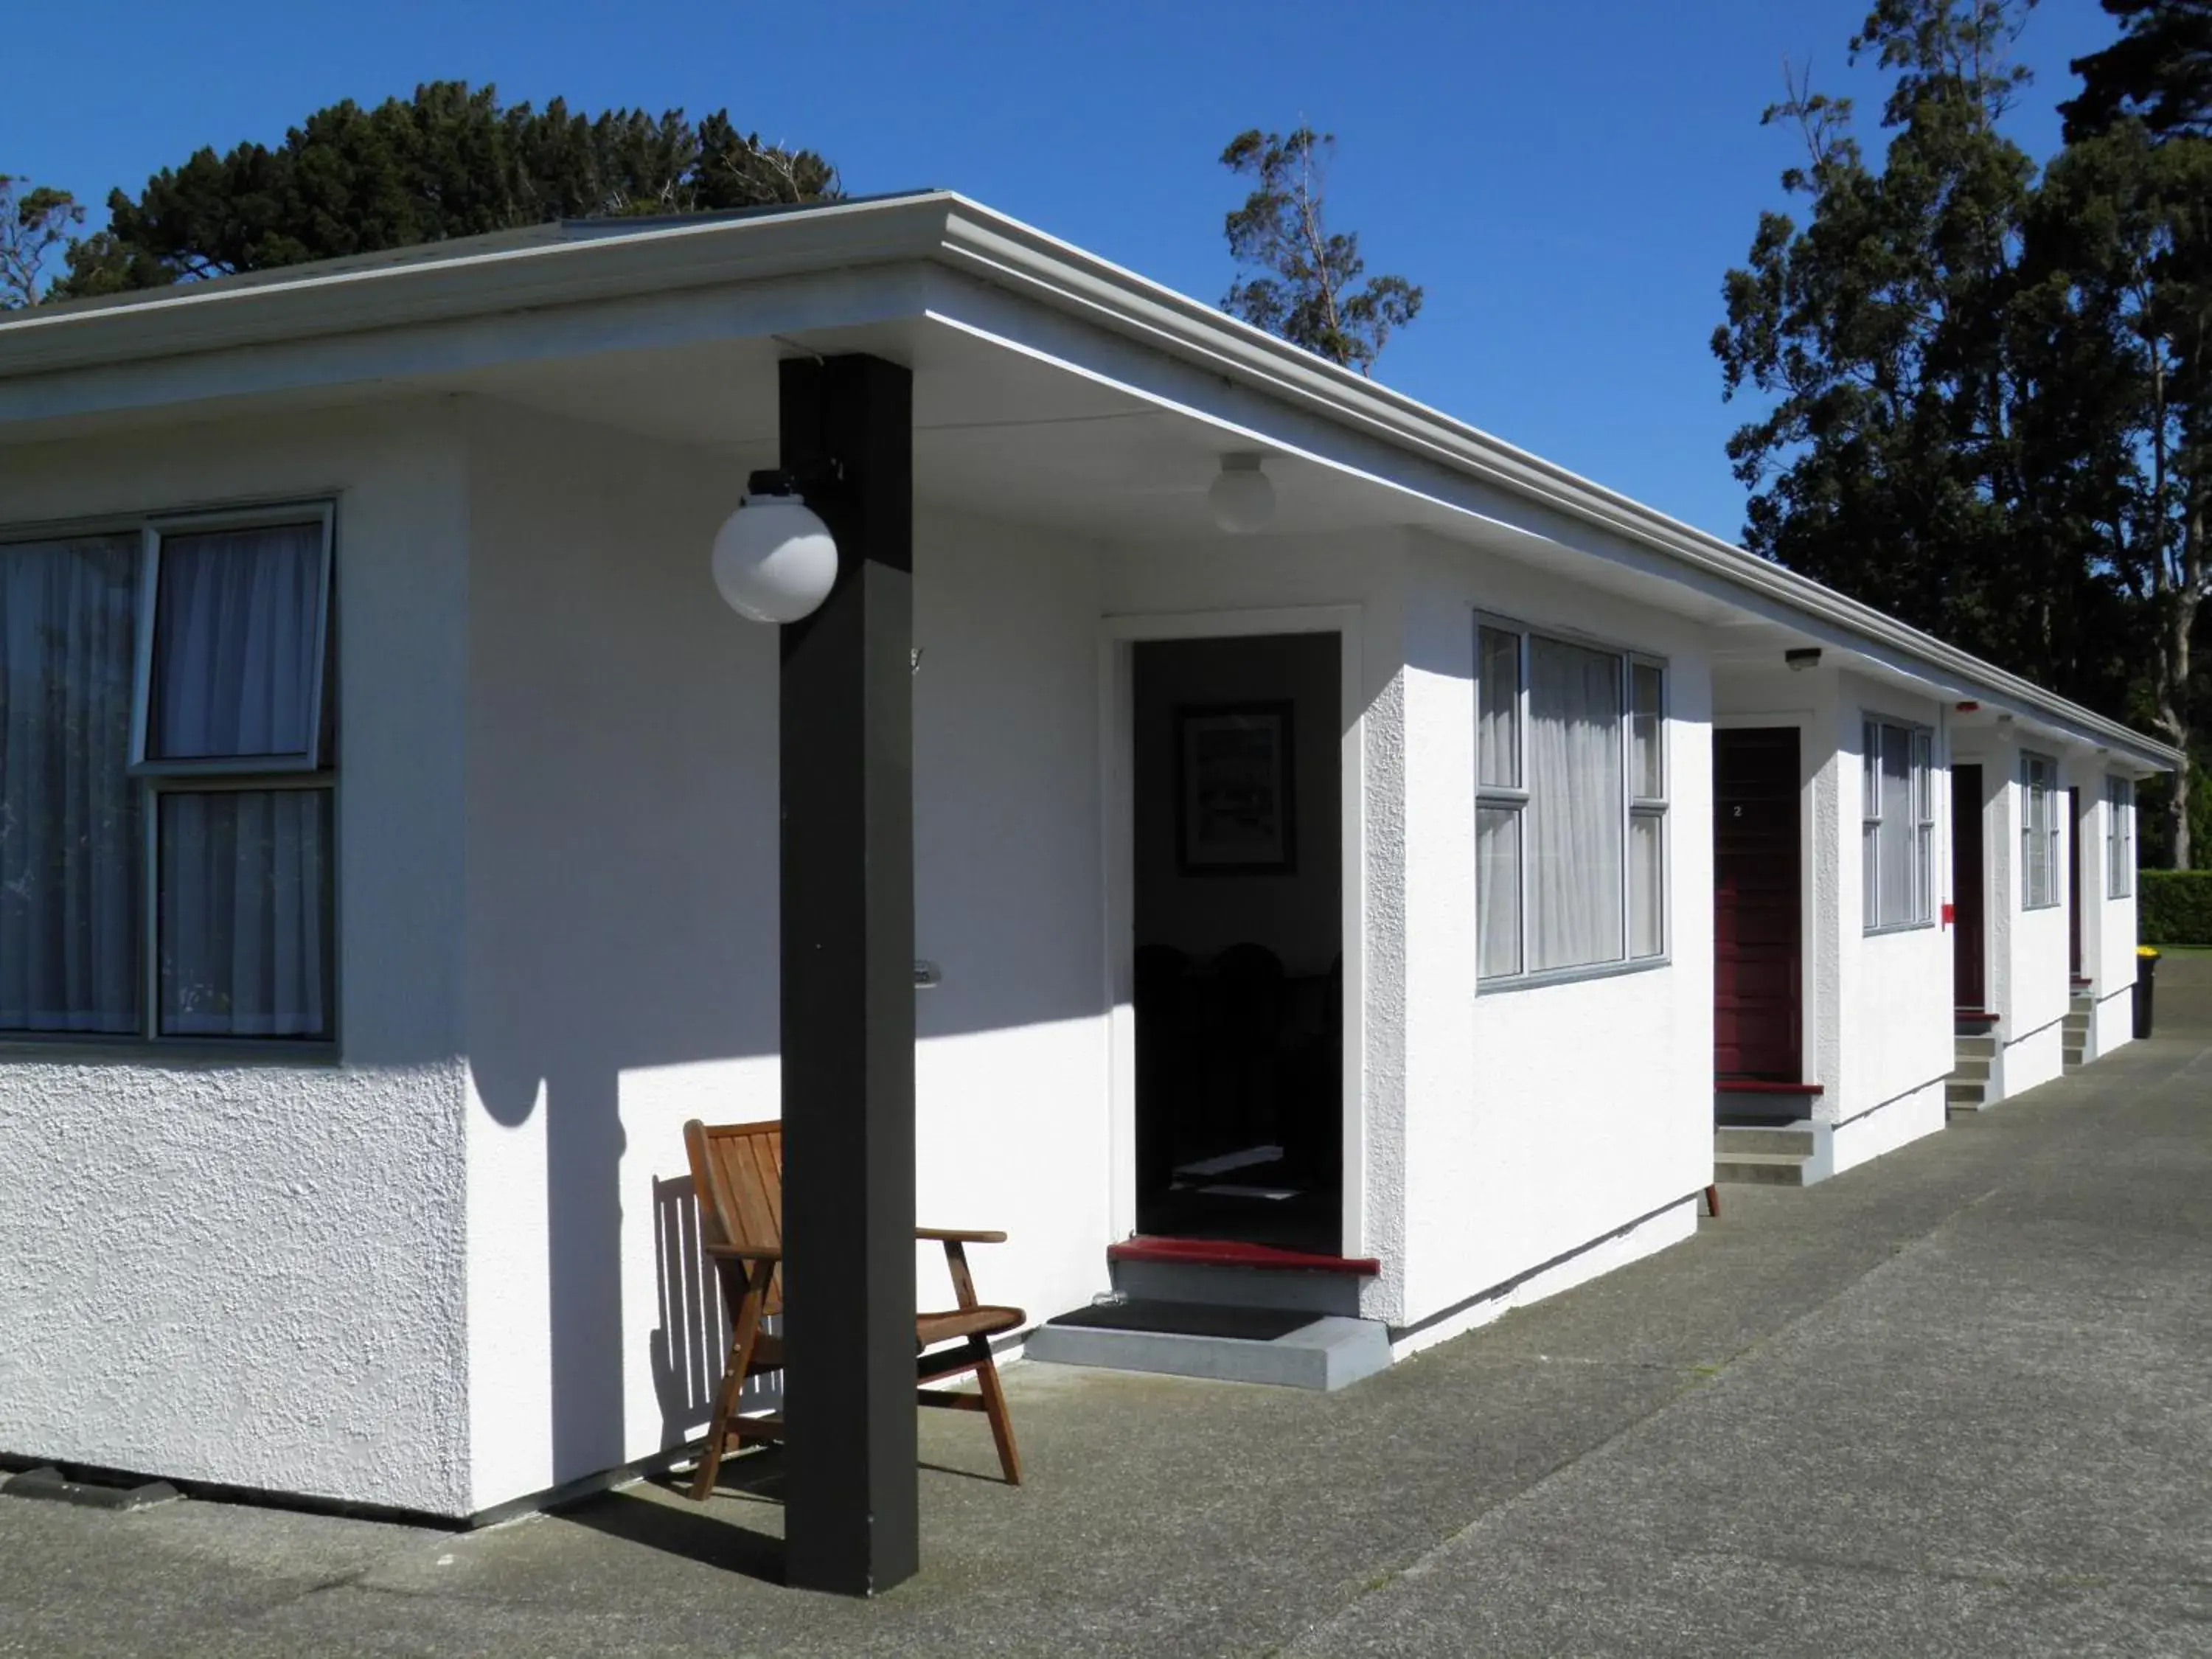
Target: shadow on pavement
{"type": "Point", "coordinates": [658, 1515]}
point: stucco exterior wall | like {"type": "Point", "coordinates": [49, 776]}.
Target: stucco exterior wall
{"type": "Point", "coordinates": [1541, 1120]}
{"type": "Point", "coordinates": [623, 928]}
{"type": "Point", "coordinates": [1361, 578]}
{"type": "Point", "coordinates": [2029, 982]}
{"type": "Point", "coordinates": [253, 1273]}
{"type": "Point", "coordinates": [2042, 981]}
{"type": "Point", "coordinates": [1805, 699]}
{"type": "Point", "coordinates": [1896, 1034]}
{"type": "Point", "coordinates": [2108, 923]}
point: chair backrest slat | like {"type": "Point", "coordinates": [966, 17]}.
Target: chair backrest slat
{"type": "Point", "coordinates": [737, 1169]}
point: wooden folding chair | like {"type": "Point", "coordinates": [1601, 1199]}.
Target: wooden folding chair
{"type": "Point", "coordinates": [737, 1169]}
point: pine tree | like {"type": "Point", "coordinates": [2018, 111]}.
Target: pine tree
{"type": "Point", "coordinates": [450, 161]}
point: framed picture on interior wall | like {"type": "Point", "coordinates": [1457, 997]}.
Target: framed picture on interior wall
{"type": "Point", "coordinates": [1235, 812]}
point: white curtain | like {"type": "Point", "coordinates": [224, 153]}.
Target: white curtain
{"type": "Point", "coordinates": [70, 852]}
{"type": "Point", "coordinates": [244, 905]}
{"type": "Point", "coordinates": [1647, 869]}
{"type": "Point", "coordinates": [1497, 890]}
{"type": "Point", "coordinates": [235, 647]}
{"type": "Point", "coordinates": [1575, 807]}
{"type": "Point", "coordinates": [1498, 710]}
{"type": "Point", "coordinates": [1899, 828]}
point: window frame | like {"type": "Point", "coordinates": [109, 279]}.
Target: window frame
{"type": "Point", "coordinates": [153, 780]}
{"type": "Point", "coordinates": [1517, 797]}
{"type": "Point", "coordinates": [2119, 835]}
{"type": "Point", "coordinates": [1920, 793]}
{"type": "Point", "coordinates": [2050, 850]}
{"type": "Point", "coordinates": [153, 531]}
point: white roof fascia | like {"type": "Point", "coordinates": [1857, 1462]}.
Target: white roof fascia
{"type": "Point", "coordinates": [952, 230]}
{"type": "Point", "coordinates": [1016, 255]}
{"type": "Point", "coordinates": [195, 318]}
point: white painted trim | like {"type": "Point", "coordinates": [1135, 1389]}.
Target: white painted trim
{"type": "Point", "coordinates": [1117, 633]}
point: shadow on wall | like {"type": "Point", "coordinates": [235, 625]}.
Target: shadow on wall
{"type": "Point", "coordinates": [621, 850]}
{"type": "Point", "coordinates": [693, 1339]}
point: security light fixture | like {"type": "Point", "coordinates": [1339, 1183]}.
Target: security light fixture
{"type": "Point", "coordinates": [1241, 498]}
{"type": "Point", "coordinates": [774, 560]}
{"type": "Point", "coordinates": [1802, 657]}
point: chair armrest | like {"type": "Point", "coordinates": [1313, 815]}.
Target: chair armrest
{"type": "Point", "coordinates": [959, 1235]}
{"type": "Point", "coordinates": [746, 1252]}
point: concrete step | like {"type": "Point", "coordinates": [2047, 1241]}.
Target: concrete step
{"type": "Point", "coordinates": [1964, 1094]}
{"type": "Point", "coordinates": [1794, 1143]}
{"type": "Point", "coordinates": [1282, 1347]}
{"type": "Point", "coordinates": [1974, 1069]}
{"type": "Point", "coordinates": [2073, 1059]}
{"type": "Point", "coordinates": [1977, 1048]}
{"type": "Point", "coordinates": [1760, 1169]}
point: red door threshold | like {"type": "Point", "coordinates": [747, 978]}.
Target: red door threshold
{"type": "Point", "coordinates": [1228, 1253]}
{"type": "Point", "coordinates": [1730, 1085]}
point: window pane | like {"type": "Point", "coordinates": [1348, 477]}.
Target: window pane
{"type": "Point", "coordinates": [244, 905]}
{"type": "Point", "coordinates": [70, 853]}
{"type": "Point", "coordinates": [1869, 771]}
{"type": "Point", "coordinates": [1923, 874]}
{"type": "Point", "coordinates": [1897, 826]}
{"type": "Point", "coordinates": [2119, 837]}
{"type": "Point", "coordinates": [1574, 827]}
{"type": "Point", "coordinates": [235, 638]}
{"type": "Point", "coordinates": [2039, 850]}
{"type": "Point", "coordinates": [1647, 866]}
{"type": "Point", "coordinates": [1499, 707]}
{"type": "Point", "coordinates": [1871, 873]}
{"type": "Point", "coordinates": [1924, 780]}
{"type": "Point", "coordinates": [1497, 890]}
{"type": "Point", "coordinates": [1647, 769]}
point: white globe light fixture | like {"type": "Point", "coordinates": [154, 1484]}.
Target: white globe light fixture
{"type": "Point", "coordinates": [774, 561]}
{"type": "Point", "coordinates": [1241, 498]}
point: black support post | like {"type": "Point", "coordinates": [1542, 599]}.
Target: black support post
{"type": "Point", "coordinates": [851, 1516]}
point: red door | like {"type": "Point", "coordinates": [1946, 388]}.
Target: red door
{"type": "Point", "coordinates": [1970, 985]}
{"type": "Point", "coordinates": [1758, 907]}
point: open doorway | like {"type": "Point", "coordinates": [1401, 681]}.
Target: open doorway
{"type": "Point", "coordinates": [1969, 974]}
{"type": "Point", "coordinates": [1238, 969]}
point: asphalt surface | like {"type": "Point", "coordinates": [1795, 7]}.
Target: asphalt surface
{"type": "Point", "coordinates": [1958, 1402]}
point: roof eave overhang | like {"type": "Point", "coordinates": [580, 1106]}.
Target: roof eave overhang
{"type": "Point", "coordinates": [946, 228]}
{"type": "Point", "coordinates": [1013, 254]}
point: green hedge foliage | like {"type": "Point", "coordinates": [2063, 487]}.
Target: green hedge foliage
{"type": "Point", "coordinates": [2174, 907]}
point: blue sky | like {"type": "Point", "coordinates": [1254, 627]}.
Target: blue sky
{"type": "Point", "coordinates": [1568, 180]}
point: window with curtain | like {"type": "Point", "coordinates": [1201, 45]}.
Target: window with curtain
{"type": "Point", "coordinates": [1897, 795]}
{"type": "Point", "coordinates": [2039, 831]}
{"type": "Point", "coordinates": [165, 732]}
{"type": "Point", "coordinates": [71, 852]}
{"type": "Point", "coordinates": [1570, 814]}
{"type": "Point", "coordinates": [2119, 837]}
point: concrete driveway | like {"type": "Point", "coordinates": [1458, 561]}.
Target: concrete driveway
{"type": "Point", "coordinates": [1959, 1401]}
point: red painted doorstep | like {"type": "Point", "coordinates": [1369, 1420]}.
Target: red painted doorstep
{"type": "Point", "coordinates": [1227, 1253]}
{"type": "Point", "coordinates": [1733, 1086]}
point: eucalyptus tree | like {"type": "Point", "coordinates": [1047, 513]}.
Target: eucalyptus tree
{"type": "Point", "coordinates": [35, 221]}
{"type": "Point", "coordinates": [1299, 279]}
